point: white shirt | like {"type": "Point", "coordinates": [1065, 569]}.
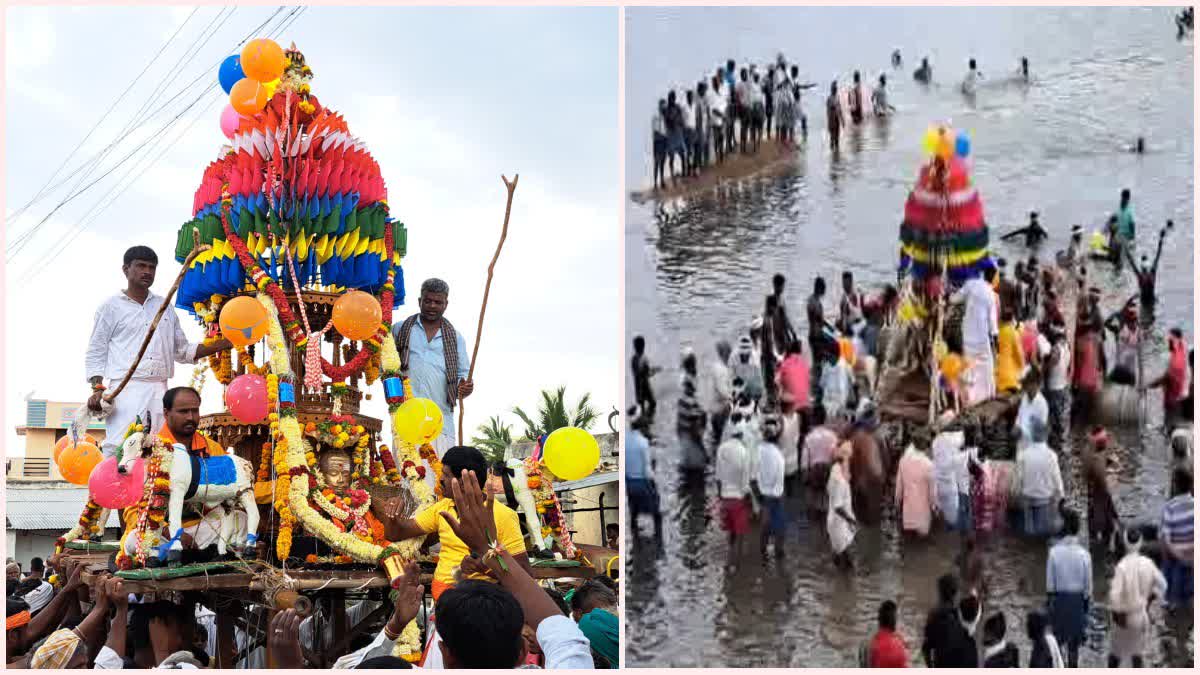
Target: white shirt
{"type": "Point", "coordinates": [970, 82]}
{"type": "Point", "coordinates": [947, 456]}
{"type": "Point", "coordinates": [1029, 411]}
{"type": "Point", "coordinates": [39, 597]}
{"type": "Point", "coordinates": [770, 470]}
{"type": "Point", "coordinates": [120, 326]}
{"type": "Point", "coordinates": [563, 644]}
{"type": "Point", "coordinates": [733, 469]}
{"type": "Point", "coordinates": [689, 114]}
{"type": "Point", "coordinates": [1135, 580]}
{"type": "Point", "coordinates": [980, 323]}
{"type": "Point", "coordinates": [1038, 473]}
{"type": "Point", "coordinates": [718, 390]}
{"type": "Point", "coordinates": [1059, 373]}
{"type": "Point", "coordinates": [789, 439]}
{"type": "Point", "coordinates": [962, 469]}
{"type": "Point", "coordinates": [107, 659]}
{"type": "Point", "coordinates": [717, 103]}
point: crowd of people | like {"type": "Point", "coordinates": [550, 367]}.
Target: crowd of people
{"type": "Point", "coordinates": [496, 616]}
{"type": "Point", "coordinates": [739, 106]}
{"type": "Point", "coordinates": [780, 416]}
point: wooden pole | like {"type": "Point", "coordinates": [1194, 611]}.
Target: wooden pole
{"type": "Point", "coordinates": [197, 249]}
{"type": "Point", "coordinates": [487, 288]}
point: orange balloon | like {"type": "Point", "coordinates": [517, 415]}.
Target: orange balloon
{"type": "Point", "coordinates": [263, 60]}
{"type": "Point", "coordinates": [76, 462]}
{"type": "Point", "coordinates": [66, 442]}
{"type": "Point", "coordinates": [243, 321]}
{"type": "Point", "coordinates": [248, 97]}
{"type": "Point", "coordinates": [357, 315]}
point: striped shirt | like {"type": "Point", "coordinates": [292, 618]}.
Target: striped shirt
{"type": "Point", "coordinates": [1178, 524]}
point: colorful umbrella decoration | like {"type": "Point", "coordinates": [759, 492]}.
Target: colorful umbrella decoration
{"type": "Point", "coordinates": [943, 216]}
{"type": "Point", "coordinates": [300, 185]}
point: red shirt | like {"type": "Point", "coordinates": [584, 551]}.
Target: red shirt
{"type": "Point", "coordinates": [887, 650]}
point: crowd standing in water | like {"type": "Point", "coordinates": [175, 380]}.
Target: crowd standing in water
{"type": "Point", "coordinates": [739, 106]}
{"type": "Point", "coordinates": [781, 413]}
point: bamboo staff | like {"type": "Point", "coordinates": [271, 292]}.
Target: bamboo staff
{"type": "Point", "coordinates": [511, 186]}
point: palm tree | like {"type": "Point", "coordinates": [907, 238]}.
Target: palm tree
{"type": "Point", "coordinates": [553, 414]}
{"type": "Point", "coordinates": [494, 439]}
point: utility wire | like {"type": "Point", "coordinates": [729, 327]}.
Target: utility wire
{"type": "Point", "coordinates": [97, 209]}
{"type": "Point", "coordinates": [91, 131]}
{"type": "Point", "coordinates": [19, 242]}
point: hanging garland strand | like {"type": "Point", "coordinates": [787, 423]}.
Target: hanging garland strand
{"type": "Point", "coordinates": [291, 325]}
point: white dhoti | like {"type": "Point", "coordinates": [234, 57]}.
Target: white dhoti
{"type": "Point", "coordinates": [139, 398]}
{"type": "Point", "coordinates": [980, 377]}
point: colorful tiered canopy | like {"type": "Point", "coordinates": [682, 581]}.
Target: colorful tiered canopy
{"type": "Point", "coordinates": [944, 223]}
{"type": "Point", "coordinates": [298, 180]}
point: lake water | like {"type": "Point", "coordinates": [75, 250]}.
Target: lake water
{"type": "Point", "coordinates": [698, 269]}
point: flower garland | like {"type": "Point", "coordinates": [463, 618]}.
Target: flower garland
{"type": "Point", "coordinates": [87, 526]}
{"type": "Point", "coordinates": [221, 364]}
{"type": "Point", "coordinates": [339, 431]}
{"type": "Point", "coordinates": [430, 455]}
{"type": "Point", "coordinates": [265, 283]}
{"type": "Point", "coordinates": [283, 540]}
{"type": "Point", "coordinates": [264, 465]}
{"type": "Point", "coordinates": [152, 508]}
{"type": "Point", "coordinates": [362, 461]}
{"type": "Point", "coordinates": [247, 360]}
{"type": "Point", "coordinates": [549, 508]}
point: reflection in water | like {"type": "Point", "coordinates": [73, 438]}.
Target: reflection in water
{"type": "Point", "coordinates": [698, 269]}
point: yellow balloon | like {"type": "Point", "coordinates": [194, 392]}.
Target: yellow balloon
{"type": "Point", "coordinates": [571, 453]}
{"type": "Point", "coordinates": [930, 142]}
{"type": "Point", "coordinates": [418, 421]}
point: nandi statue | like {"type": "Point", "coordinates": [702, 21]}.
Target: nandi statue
{"type": "Point", "coordinates": [212, 484]}
{"type": "Point", "coordinates": [525, 503]}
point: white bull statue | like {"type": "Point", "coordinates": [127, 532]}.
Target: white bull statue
{"type": "Point", "coordinates": [525, 503]}
{"type": "Point", "coordinates": [214, 484]}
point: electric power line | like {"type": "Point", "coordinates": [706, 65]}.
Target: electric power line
{"type": "Point", "coordinates": [97, 209]}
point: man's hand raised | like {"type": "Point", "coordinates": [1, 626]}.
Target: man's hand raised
{"type": "Point", "coordinates": [476, 519]}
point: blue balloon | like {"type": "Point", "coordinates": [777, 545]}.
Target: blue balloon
{"type": "Point", "coordinates": [962, 144]}
{"type": "Point", "coordinates": [231, 72]}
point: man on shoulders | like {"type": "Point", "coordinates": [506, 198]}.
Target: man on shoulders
{"type": "Point", "coordinates": [434, 356]}
{"type": "Point", "coordinates": [120, 326]}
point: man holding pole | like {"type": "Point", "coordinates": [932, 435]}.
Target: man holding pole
{"type": "Point", "coordinates": [118, 333]}
{"type": "Point", "coordinates": [435, 357]}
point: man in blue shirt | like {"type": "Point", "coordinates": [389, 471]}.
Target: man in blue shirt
{"type": "Point", "coordinates": [1069, 588]}
{"type": "Point", "coordinates": [639, 481]}
{"type": "Point", "coordinates": [435, 357]}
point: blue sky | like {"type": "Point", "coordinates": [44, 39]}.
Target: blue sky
{"type": "Point", "coordinates": [447, 99]}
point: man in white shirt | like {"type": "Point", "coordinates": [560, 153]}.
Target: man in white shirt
{"type": "Point", "coordinates": [770, 487]}
{"type": "Point", "coordinates": [1058, 380]}
{"type": "Point", "coordinates": [718, 391]}
{"type": "Point", "coordinates": [1033, 406]}
{"type": "Point", "coordinates": [718, 105]}
{"type": "Point", "coordinates": [120, 326]}
{"type": "Point", "coordinates": [689, 133]}
{"type": "Point", "coordinates": [733, 485]}
{"type": "Point", "coordinates": [981, 330]}
{"type": "Point", "coordinates": [946, 449]}
{"type": "Point", "coordinates": [1041, 481]}
{"type": "Point", "coordinates": [40, 596]}
{"type": "Point", "coordinates": [971, 81]}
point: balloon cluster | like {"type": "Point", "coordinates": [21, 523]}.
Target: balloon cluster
{"type": "Point", "coordinates": [250, 79]}
{"type": "Point", "coordinates": [941, 141]}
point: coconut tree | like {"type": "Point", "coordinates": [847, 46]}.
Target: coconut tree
{"type": "Point", "coordinates": [553, 413]}
{"type": "Point", "coordinates": [493, 439]}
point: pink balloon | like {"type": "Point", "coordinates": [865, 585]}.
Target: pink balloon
{"type": "Point", "coordinates": [230, 119]}
{"type": "Point", "coordinates": [246, 398]}
{"type": "Point", "coordinates": [115, 490]}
